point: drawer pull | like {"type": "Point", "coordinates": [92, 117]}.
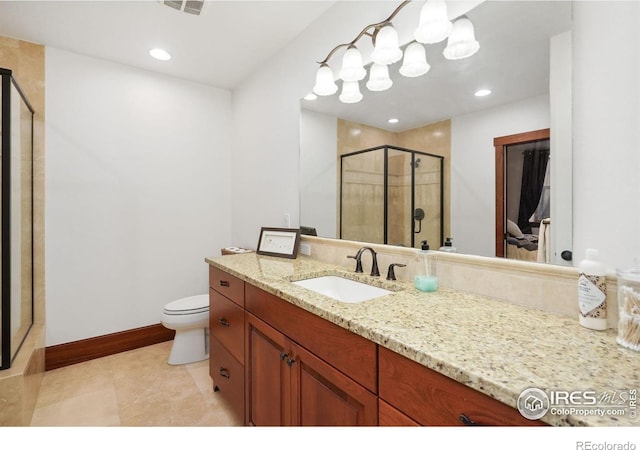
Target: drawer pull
{"type": "Point", "coordinates": [290, 362]}
{"type": "Point", "coordinates": [224, 373]}
{"type": "Point", "coordinates": [224, 283]}
{"type": "Point", "coordinates": [224, 322]}
{"type": "Point", "coordinates": [466, 421]}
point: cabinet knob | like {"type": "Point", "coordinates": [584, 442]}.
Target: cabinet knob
{"type": "Point", "coordinates": [290, 362]}
{"type": "Point", "coordinates": [283, 356]}
{"type": "Point", "coordinates": [224, 373]}
{"type": "Point", "coordinates": [224, 322]}
{"type": "Point", "coordinates": [466, 421]}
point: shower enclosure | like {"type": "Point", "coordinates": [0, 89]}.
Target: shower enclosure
{"type": "Point", "coordinates": [16, 134]}
{"type": "Point", "coordinates": [392, 195]}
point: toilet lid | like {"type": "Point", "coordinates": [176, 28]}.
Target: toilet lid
{"type": "Point", "coordinates": [188, 305]}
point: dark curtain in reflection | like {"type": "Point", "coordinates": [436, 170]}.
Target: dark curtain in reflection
{"type": "Point", "coordinates": [533, 171]}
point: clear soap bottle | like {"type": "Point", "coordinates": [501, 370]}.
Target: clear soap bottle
{"type": "Point", "coordinates": [448, 246]}
{"type": "Point", "coordinates": [425, 278]}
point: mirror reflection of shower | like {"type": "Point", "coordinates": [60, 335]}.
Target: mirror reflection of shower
{"type": "Point", "coordinates": [391, 195]}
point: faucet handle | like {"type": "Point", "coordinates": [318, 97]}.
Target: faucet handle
{"type": "Point", "coordinates": [391, 275]}
{"type": "Point", "coordinates": [358, 263]}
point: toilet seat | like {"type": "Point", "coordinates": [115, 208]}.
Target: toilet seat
{"type": "Point", "coordinates": [188, 305]}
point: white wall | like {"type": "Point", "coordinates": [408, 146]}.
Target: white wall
{"type": "Point", "coordinates": [473, 210]}
{"type": "Point", "coordinates": [137, 183]}
{"type": "Point", "coordinates": [606, 144]}
{"type": "Point", "coordinates": [318, 172]}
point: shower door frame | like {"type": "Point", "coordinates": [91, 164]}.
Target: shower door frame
{"type": "Point", "coordinates": [5, 218]}
{"type": "Point", "coordinates": [385, 175]}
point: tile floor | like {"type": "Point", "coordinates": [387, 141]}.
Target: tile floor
{"type": "Point", "coordinates": [134, 388]}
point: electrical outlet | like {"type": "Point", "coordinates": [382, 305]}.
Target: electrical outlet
{"type": "Point", "coordinates": [305, 249]}
{"type": "Point", "coordinates": [287, 220]}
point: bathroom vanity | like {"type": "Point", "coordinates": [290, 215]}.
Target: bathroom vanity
{"type": "Point", "coordinates": [283, 355]}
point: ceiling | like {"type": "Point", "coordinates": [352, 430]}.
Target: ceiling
{"type": "Point", "coordinates": [232, 39]}
{"type": "Point", "coordinates": [221, 47]}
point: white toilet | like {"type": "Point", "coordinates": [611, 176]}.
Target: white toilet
{"type": "Point", "coordinates": [189, 316]}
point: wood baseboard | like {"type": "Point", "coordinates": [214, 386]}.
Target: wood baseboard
{"type": "Point", "coordinates": [75, 352]}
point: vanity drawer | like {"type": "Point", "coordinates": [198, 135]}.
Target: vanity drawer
{"type": "Point", "coordinates": [228, 285]}
{"type": "Point", "coordinates": [431, 398]}
{"type": "Point", "coordinates": [228, 376]}
{"type": "Point", "coordinates": [226, 323]}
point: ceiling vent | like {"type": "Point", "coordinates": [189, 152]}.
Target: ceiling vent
{"type": "Point", "coordinates": [189, 6]}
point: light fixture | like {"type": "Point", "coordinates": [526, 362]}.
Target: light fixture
{"type": "Point", "coordinates": [393, 120]}
{"type": "Point", "coordinates": [352, 68]}
{"type": "Point", "coordinates": [435, 25]}
{"type": "Point", "coordinates": [379, 78]}
{"type": "Point", "coordinates": [462, 41]}
{"type": "Point", "coordinates": [482, 92]}
{"type": "Point", "coordinates": [350, 92]}
{"type": "Point", "coordinates": [415, 62]}
{"type": "Point", "coordinates": [310, 96]}
{"type": "Point", "coordinates": [386, 49]}
{"type": "Point", "coordinates": [325, 84]}
{"type": "Point", "coordinates": [160, 54]}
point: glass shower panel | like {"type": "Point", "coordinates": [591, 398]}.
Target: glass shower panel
{"type": "Point", "coordinates": [21, 220]}
{"type": "Point", "coordinates": [399, 205]}
{"type": "Point", "coordinates": [428, 198]}
{"type": "Point", "coordinates": [362, 196]}
{"type": "Point", "coordinates": [16, 134]}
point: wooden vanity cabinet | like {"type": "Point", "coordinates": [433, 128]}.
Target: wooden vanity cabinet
{"type": "Point", "coordinates": [226, 337]}
{"type": "Point", "coordinates": [431, 398]}
{"type": "Point", "coordinates": [288, 383]}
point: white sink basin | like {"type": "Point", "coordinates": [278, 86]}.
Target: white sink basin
{"type": "Point", "coordinates": [342, 289]}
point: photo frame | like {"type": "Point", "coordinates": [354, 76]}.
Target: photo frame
{"type": "Point", "coordinates": [280, 242]}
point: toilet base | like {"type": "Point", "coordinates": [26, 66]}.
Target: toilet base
{"type": "Point", "coordinates": [189, 346]}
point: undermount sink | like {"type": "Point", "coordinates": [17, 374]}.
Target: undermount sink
{"type": "Point", "coordinates": [342, 289]}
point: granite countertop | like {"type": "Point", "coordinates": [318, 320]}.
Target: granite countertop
{"type": "Point", "coordinates": [494, 347]}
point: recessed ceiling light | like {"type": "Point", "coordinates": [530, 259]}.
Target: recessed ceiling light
{"type": "Point", "coordinates": [393, 120]}
{"type": "Point", "coordinates": [482, 93]}
{"type": "Point", "coordinates": [310, 96]}
{"type": "Point", "coordinates": [159, 53]}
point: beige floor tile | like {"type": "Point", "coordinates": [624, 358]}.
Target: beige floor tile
{"type": "Point", "coordinates": [97, 408]}
{"type": "Point", "coordinates": [137, 388]}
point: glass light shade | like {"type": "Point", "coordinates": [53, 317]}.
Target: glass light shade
{"type": "Point", "coordinates": [379, 78]}
{"type": "Point", "coordinates": [325, 84]}
{"type": "Point", "coordinates": [435, 25]}
{"type": "Point", "coordinates": [352, 68]}
{"type": "Point", "coordinates": [350, 92]}
{"type": "Point", "coordinates": [415, 61]}
{"type": "Point", "coordinates": [462, 41]}
{"type": "Point", "coordinates": [387, 50]}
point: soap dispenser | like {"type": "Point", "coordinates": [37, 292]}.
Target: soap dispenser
{"type": "Point", "coordinates": [425, 278]}
{"type": "Point", "coordinates": [448, 246]}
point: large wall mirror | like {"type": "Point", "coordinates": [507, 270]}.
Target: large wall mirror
{"type": "Point", "coordinates": [525, 61]}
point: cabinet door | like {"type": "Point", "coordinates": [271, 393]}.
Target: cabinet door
{"type": "Point", "coordinates": [324, 396]}
{"type": "Point", "coordinates": [267, 375]}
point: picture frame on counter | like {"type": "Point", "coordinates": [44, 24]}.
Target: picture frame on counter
{"type": "Point", "coordinates": [280, 242]}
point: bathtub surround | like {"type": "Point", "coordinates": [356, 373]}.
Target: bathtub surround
{"type": "Point", "coordinates": [19, 385]}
